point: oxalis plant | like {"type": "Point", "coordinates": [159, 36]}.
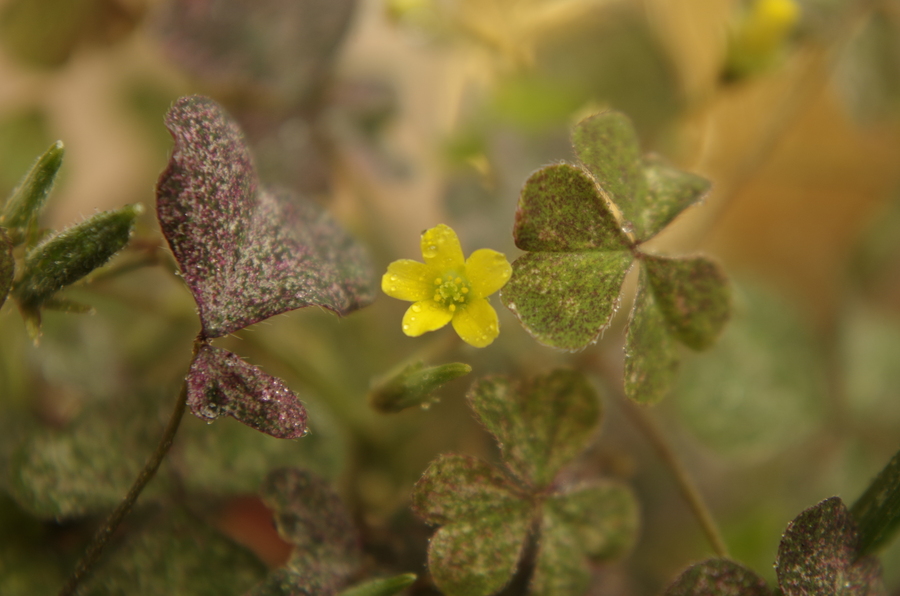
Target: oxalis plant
{"type": "Point", "coordinates": [530, 521]}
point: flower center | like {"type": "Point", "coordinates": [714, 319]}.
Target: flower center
{"type": "Point", "coordinates": [451, 291]}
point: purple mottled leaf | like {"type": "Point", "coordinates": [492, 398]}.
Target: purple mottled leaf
{"type": "Point", "coordinates": [818, 555]}
{"type": "Point", "coordinates": [311, 516]}
{"type": "Point", "coordinates": [877, 511]}
{"type": "Point", "coordinates": [280, 48]}
{"type": "Point", "coordinates": [718, 577]}
{"type": "Point", "coordinates": [248, 253]}
{"type": "Point", "coordinates": [7, 266]}
{"type": "Point", "coordinates": [221, 384]}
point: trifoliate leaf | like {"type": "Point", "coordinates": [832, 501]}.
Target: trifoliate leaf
{"type": "Point", "coordinates": [221, 384]}
{"type": "Point", "coordinates": [669, 192]}
{"type": "Point", "coordinates": [651, 356]}
{"type": "Point", "coordinates": [566, 300]}
{"type": "Point", "coordinates": [877, 511]}
{"type": "Point", "coordinates": [485, 524]}
{"type": "Point", "coordinates": [818, 555]}
{"type": "Point", "coordinates": [381, 587]}
{"type": "Point", "coordinates": [310, 515]}
{"type": "Point", "coordinates": [561, 567]}
{"type": "Point", "coordinates": [414, 386]}
{"type": "Point", "coordinates": [541, 425]}
{"type": "Point", "coordinates": [561, 210]}
{"type": "Point", "coordinates": [7, 266]}
{"type": "Point", "coordinates": [177, 554]}
{"type": "Point", "coordinates": [247, 253]}
{"type": "Point", "coordinates": [718, 577]}
{"type": "Point", "coordinates": [608, 146]}
{"type": "Point", "coordinates": [27, 201]}
{"type": "Point", "coordinates": [693, 295]}
{"type": "Point", "coordinates": [64, 258]}
{"type": "Point", "coordinates": [84, 468]}
{"type": "Point", "coordinates": [275, 47]}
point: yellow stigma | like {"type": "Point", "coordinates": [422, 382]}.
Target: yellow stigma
{"type": "Point", "coordinates": [451, 290]}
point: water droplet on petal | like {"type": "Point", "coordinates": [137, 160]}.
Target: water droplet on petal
{"type": "Point", "coordinates": [417, 308]}
{"type": "Point", "coordinates": [393, 278]}
{"type": "Point", "coordinates": [393, 288]}
{"type": "Point", "coordinates": [406, 327]}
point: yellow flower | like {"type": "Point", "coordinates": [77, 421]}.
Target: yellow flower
{"type": "Point", "coordinates": [447, 288]}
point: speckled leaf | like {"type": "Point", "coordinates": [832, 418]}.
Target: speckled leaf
{"type": "Point", "coordinates": [608, 146]}
{"type": "Point", "coordinates": [651, 356]}
{"type": "Point", "coordinates": [64, 258]}
{"type": "Point", "coordinates": [561, 210]}
{"type": "Point", "coordinates": [248, 253]}
{"type": "Point", "coordinates": [818, 555]}
{"type": "Point", "coordinates": [561, 567]}
{"type": "Point", "coordinates": [669, 192]}
{"type": "Point", "coordinates": [381, 587]}
{"type": "Point", "coordinates": [7, 266]}
{"type": "Point", "coordinates": [310, 515]}
{"type": "Point", "coordinates": [540, 425]}
{"type": "Point", "coordinates": [27, 200]}
{"type": "Point", "coordinates": [693, 295]}
{"type": "Point", "coordinates": [281, 48]}
{"type": "Point", "coordinates": [85, 468]}
{"type": "Point", "coordinates": [877, 511]}
{"type": "Point", "coordinates": [479, 556]}
{"type": "Point", "coordinates": [566, 300]}
{"type": "Point", "coordinates": [456, 487]}
{"type": "Point", "coordinates": [221, 384]}
{"type": "Point", "coordinates": [595, 521]}
{"type": "Point", "coordinates": [485, 523]}
{"type": "Point", "coordinates": [178, 554]}
{"type": "Point", "coordinates": [718, 577]}
{"type": "Point", "coordinates": [414, 386]}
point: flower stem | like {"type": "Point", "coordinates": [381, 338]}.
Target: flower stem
{"type": "Point", "coordinates": [101, 538]}
{"type": "Point", "coordinates": [651, 430]}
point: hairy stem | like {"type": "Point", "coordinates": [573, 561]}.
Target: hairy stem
{"type": "Point", "coordinates": [689, 491]}
{"type": "Point", "coordinates": [101, 538]}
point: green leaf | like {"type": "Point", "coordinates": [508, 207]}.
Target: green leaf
{"type": "Point", "coordinates": [27, 201]}
{"type": "Point", "coordinates": [66, 257]}
{"type": "Point", "coordinates": [758, 391]}
{"type": "Point", "coordinates": [85, 468]}
{"type": "Point", "coordinates": [603, 517]}
{"type": "Point", "coordinates": [7, 266]}
{"type": "Point", "coordinates": [414, 386]}
{"type": "Point", "coordinates": [561, 210]}
{"type": "Point", "coordinates": [458, 487]}
{"type": "Point", "coordinates": [608, 146]}
{"type": "Point", "coordinates": [592, 521]}
{"type": "Point", "coordinates": [541, 425]}
{"type": "Point", "coordinates": [669, 192]}
{"type": "Point", "coordinates": [248, 253]}
{"type": "Point", "coordinates": [718, 577]}
{"type": "Point", "coordinates": [693, 295]}
{"type": "Point", "coordinates": [486, 523]}
{"type": "Point", "coordinates": [877, 511]}
{"type": "Point", "coordinates": [221, 384]}
{"type": "Point", "coordinates": [819, 555]}
{"type": "Point", "coordinates": [381, 587]}
{"type": "Point", "coordinates": [566, 300]}
{"type": "Point", "coordinates": [177, 554]}
{"type": "Point", "coordinates": [310, 515]}
{"type": "Point", "coordinates": [651, 356]}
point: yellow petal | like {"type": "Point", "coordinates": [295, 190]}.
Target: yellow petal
{"type": "Point", "coordinates": [487, 271]}
{"type": "Point", "coordinates": [476, 323]}
{"type": "Point", "coordinates": [407, 280]}
{"type": "Point", "coordinates": [425, 316]}
{"type": "Point", "coordinates": [441, 249]}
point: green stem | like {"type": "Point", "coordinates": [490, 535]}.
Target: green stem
{"type": "Point", "coordinates": [651, 430]}
{"type": "Point", "coordinates": [101, 538]}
